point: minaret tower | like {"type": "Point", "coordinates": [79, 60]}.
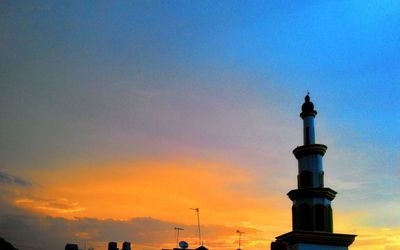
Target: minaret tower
{"type": "Point", "coordinates": [311, 201]}
{"type": "Point", "coordinates": [312, 225]}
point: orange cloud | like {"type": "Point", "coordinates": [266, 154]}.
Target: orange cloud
{"type": "Point", "coordinates": [56, 206]}
{"type": "Point", "coordinates": [228, 196]}
{"type": "Point", "coordinates": [160, 189]}
{"type": "Point", "coordinates": [377, 239]}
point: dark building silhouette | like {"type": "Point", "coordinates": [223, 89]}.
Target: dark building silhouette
{"type": "Point", "coordinates": [199, 248]}
{"type": "Point", "coordinates": [126, 245]}
{"type": "Point", "coordinates": [5, 245]}
{"type": "Point", "coordinates": [278, 245]}
{"type": "Point", "coordinates": [112, 246]}
{"type": "Point", "coordinates": [312, 223]}
{"type": "Point", "coordinates": [70, 246]}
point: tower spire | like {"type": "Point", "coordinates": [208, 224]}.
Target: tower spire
{"type": "Point", "coordinates": [311, 201]}
{"type": "Point", "coordinates": [312, 221]}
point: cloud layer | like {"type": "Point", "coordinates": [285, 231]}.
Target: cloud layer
{"type": "Point", "coordinates": [13, 180]}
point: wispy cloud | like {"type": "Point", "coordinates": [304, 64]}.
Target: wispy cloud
{"type": "Point", "coordinates": [60, 205]}
{"type": "Point", "coordinates": [378, 238]}
{"type": "Point", "coordinates": [6, 178]}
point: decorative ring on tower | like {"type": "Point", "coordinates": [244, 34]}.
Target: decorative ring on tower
{"type": "Point", "coordinates": [301, 151]}
{"type": "Point", "coordinates": [305, 193]}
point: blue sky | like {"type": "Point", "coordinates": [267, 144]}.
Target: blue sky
{"type": "Point", "coordinates": [101, 81]}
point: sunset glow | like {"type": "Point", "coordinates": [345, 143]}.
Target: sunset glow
{"type": "Point", "coordinates": [117, 117]}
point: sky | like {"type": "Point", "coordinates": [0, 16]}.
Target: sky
{"type": "Point", "coordinates": [116, 117]}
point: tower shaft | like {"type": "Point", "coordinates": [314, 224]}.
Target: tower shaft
{"type": "Point", "coordinates": [312, 222]}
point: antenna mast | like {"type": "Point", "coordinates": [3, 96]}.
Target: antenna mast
{"type": "Point", "coordinates": [177, 229]}
{"type": "Point", "coordinates": [198, 223]}
{"type": "Point", "coordinates": [240, 237]}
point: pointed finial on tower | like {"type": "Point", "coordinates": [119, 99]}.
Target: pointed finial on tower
{"type": "Point", "coordinates": [307, 97]}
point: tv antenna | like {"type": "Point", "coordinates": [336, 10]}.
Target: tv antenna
{"type": "Point", "coordinates": [240, 237]}
{"type": "Point", "coordinates": [177, 229]}
{"type": "Point", "coordinates": [198, 223]}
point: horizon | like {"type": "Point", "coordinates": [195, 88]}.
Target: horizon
{"type": "Point", "coordinates": [118, 117]}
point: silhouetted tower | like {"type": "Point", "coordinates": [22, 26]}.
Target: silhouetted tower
{"type": "Point", "coordinates": [312, 224]}
{"type": "Point", "coordinates": [311, 201]}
